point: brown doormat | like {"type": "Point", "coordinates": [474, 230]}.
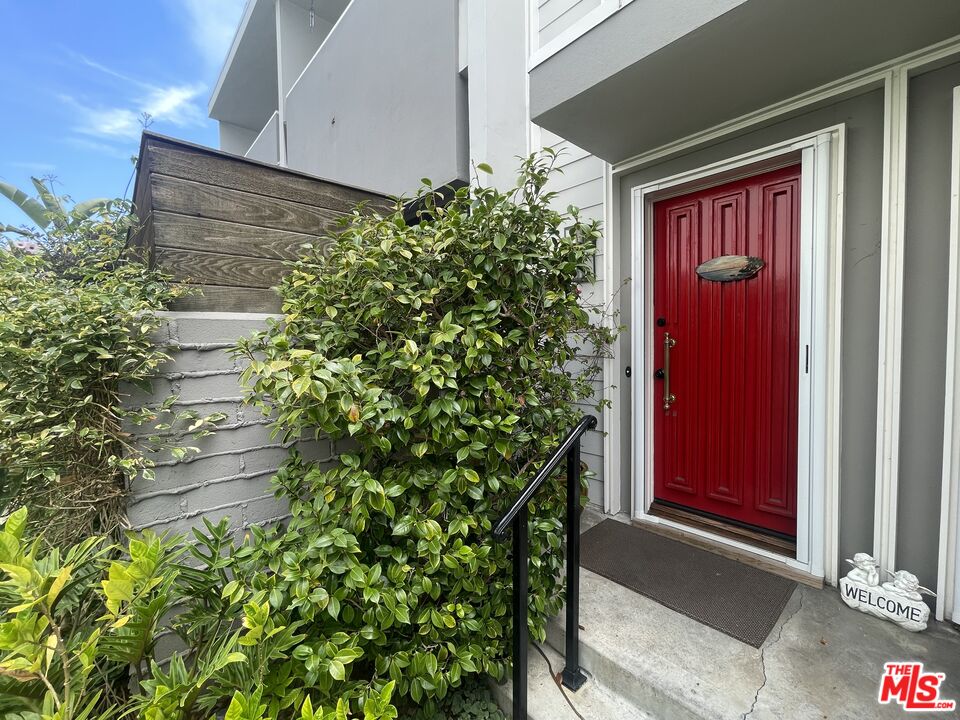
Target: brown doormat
{"type": "Point", "coordinates": [728, 596]}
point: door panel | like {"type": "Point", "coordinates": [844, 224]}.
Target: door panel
{"type": "Point", "coordinates": [727, 444]}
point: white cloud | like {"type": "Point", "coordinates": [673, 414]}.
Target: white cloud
{"type": "Point", "coordinates": [81, 58]}
{"type": "Point", "coordinates": [105, 122]}
{"type": "Point", "coordinates": [118, 117]}
{"type": "Point", "coordinates": [35, 168]}
{"type": "Point", "coordinates": [100, 148]}
{"type": "Point", "coordinates": [212, 25]}
{"type": "Point", "coordinates": [175, 105]}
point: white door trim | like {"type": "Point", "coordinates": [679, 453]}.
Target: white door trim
{"type": "Point", "coordinates": [948, 570]}
{"type": "Point", "coordinates": [612, 363]}
{"type": "Point", "coordinates": [821, 156]}
{"type": "Point", "coordinates": [875, 77]}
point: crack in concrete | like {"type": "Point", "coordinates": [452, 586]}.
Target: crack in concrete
{"type": "Point", "coordinates": [763, 657]}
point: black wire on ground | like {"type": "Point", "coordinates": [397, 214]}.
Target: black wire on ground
{"type": "Point", "coordinates": [559, 683]}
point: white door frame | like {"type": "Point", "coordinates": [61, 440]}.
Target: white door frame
{"type": "Point", "coordinates": [948, 570]}
{"type": "Point", "coordinates": [821, 156]}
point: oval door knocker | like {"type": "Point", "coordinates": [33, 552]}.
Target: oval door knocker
{"type": "Point", "coordinates": [727, 268]}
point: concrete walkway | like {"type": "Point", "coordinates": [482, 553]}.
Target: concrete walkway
{"type": "Point", "coordinates": [822, 661]}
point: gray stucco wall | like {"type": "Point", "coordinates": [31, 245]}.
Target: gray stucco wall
{"type": "Point", "coordinates": [382, 104]}
{"type": "Point", "coordinates": [230, 477]}
{"type": "Point", "coordinates": [235, 139]}
{"type": "Point", "coordinates": [658, 71]}
{"type": "Point", "coordinates": [926, 262]}
{"type": "Point", "coordinates": [863, 116]}
{"type": "Point", "coordinates": [298, 40]}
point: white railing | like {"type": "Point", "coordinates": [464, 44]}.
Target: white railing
{"type": "Point", "coordinates": [266, 148]}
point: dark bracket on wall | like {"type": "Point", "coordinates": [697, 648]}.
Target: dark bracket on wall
{"type": "Point", "coordinates": [413, 211]}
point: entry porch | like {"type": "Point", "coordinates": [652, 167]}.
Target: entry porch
{"type": "Point", "coordinates": [644, 660]}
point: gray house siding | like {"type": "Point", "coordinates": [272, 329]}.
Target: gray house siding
{"type": "Point", "coordinates": [863, 116]}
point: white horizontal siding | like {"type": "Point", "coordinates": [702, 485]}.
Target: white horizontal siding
{"type": "Point", "coordinates": [558, 15]}
{"type": "Point", "coordinates": [580, 184]}
{"type": "Point", "coordinates": [588, 194]}
{"type": "Point", "coordinates": [583, 170]}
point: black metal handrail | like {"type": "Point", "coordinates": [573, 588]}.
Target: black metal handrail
{"type": "Point", "coordinates": [516, 517]}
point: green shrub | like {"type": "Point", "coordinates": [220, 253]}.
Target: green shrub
{"type": "Point", "coordinates": [75, 321]}
{"type": "Point", "coordinates": [440, 357]}
{"type": "Point", "coordinates": [472, 701]}
{"type": "Point", "coordinates": [79, 630]}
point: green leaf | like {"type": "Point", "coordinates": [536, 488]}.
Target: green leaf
{"type": "Point", "coordinates": [30, 207]}
{"type": "Point", "coordinates": [59, 583]}
{"type": "Point", "coordinates": [50, 201]}
{"type": "Point", "coordinates": [88, 208]}
{"type": "Point", "coordinates": [16, 523]}
{"type": "Point", "coordinates": [484, 168]}
{"type": "Point", "coordinates": [9, 547]}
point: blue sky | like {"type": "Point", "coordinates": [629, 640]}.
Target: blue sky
{"type": "Point", "coordinates": [77, 74]}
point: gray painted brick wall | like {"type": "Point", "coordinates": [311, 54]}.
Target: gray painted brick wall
{"type": "Point", "coordinates": [230, 476]}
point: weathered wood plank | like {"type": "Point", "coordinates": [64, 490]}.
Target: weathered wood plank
{"type": "Point", "coordinates": [211, 268]}
{"type": "Point", "coordinates": [229, 299]}
{"type": "Point", "coordinates": [214, 168]}
{"type": "Point", "coordinates": [187, 197]}
{"type": "Point", "coordinates": [192, 233]}
{"type": "Point", "coordinates": [142, 236]}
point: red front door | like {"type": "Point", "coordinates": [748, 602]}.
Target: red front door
{"type": "Point", "coordinates": [727, 442]}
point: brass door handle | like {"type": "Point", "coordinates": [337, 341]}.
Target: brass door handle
{"type": "Point", "coordinates": [668, 397]}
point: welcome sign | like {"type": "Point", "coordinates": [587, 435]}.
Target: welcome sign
{"type": "Point", "coordinates": [910, 614]}
{"type": "Point", "coordinates": [898, 600]}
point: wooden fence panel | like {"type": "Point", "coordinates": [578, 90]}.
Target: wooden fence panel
{"type": "Point", "coordinates": [226, 226]}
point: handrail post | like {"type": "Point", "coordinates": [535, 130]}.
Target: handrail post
{"type": "Point", "coordinates": [573, 676]}
{"type": "Point", "coordinates": [521, 552]}
{"type": "Point", "coordinates": [516, 520]}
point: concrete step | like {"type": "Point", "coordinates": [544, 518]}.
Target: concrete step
{"type": "Point", "coordinates": [651, 655]}
{"type": "Point", "coordinates": [821, 660]}
{"type": "Point", "coordinates": [545, 699]}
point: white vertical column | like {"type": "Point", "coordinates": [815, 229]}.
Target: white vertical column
{"type": "Point", "coordinates": [497, 86]}
{"type": "Point", "coordinates": [281, 110]}
{"type": "Point", "coordinates": [948, 568]}
{"type": "Point", "coordinates": [891, 317]}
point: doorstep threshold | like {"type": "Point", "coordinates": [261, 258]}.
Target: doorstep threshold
{"type": "Point", "coordinates": [731, 552]}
